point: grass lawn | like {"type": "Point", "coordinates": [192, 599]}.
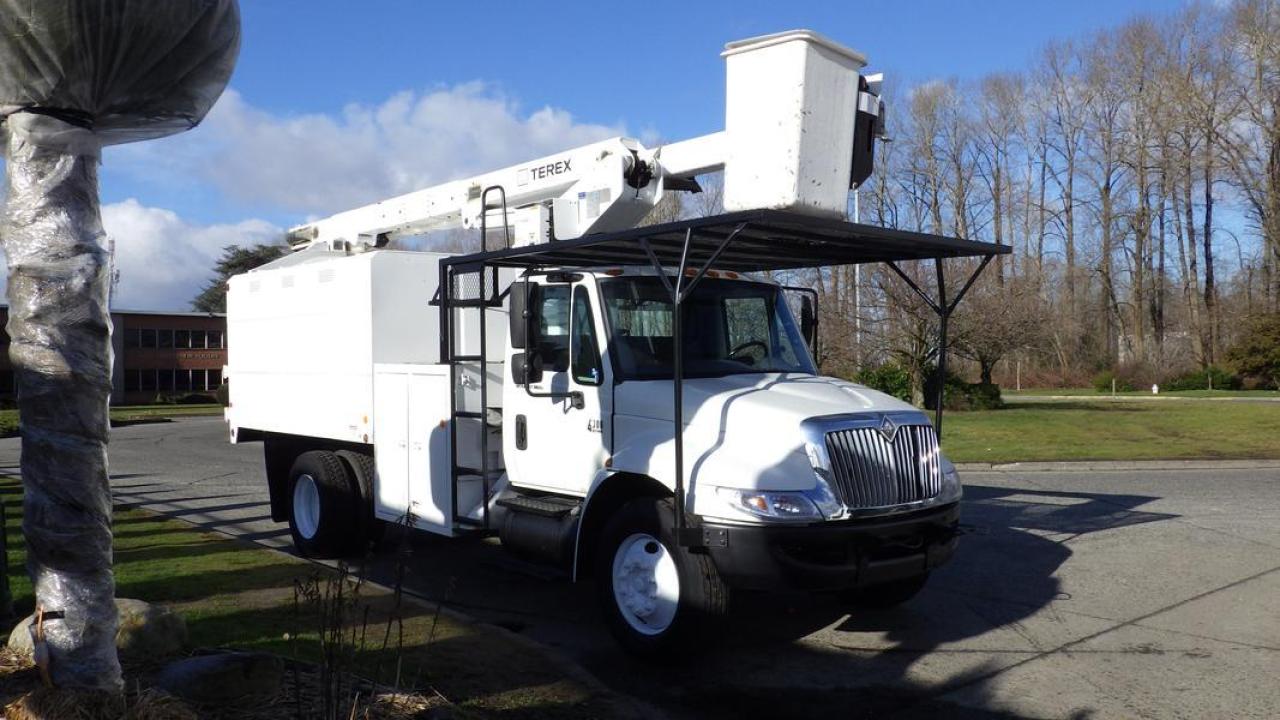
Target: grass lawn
{"type": "Point", "coordinates": [235, 595]}
{"type": "Point", "coordinates": [1064, 430]}
{"type": "Point", "coordinates": [123, 414]}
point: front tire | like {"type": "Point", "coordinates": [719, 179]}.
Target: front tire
{"type": "Point", "coordinates": [655, 594]}
{"type": "Point", "coordinates": [324, 507]}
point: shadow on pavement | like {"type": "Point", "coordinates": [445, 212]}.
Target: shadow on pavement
{"type": "Point", "coordinates": [803, 656]}
{"type": "Point", "coordinates": [865, 663]}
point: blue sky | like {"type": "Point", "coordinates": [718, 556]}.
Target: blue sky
{"type": "Point", "coordinates": [338, 103]}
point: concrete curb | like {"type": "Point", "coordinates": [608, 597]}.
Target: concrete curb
{"type": "Point", "coordinates": [629, 706]}
{"type": "Point", "coordinates": [1014, 399]}
{"type": "Point", "coordinates": [1120, 466]}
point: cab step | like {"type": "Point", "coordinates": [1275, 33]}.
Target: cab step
{"type": "Point", "coordinates": [546, 506]}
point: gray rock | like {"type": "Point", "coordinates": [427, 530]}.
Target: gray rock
{"type": "Point", "coordinates": [20, 636]}
{"type": "Point", "coordinates": [228, 677]}
{"type": "Point", "coordinates": [146, 631]}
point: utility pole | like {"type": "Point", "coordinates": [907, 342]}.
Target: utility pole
{"type": "Point", "coordinates": [857, 297]}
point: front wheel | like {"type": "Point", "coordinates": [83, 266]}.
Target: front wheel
{"type": "Point", "coordinates": [653, 591]}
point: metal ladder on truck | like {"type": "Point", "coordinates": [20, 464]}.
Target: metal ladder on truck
{"type": "Point", "coordinates": [468, 292]}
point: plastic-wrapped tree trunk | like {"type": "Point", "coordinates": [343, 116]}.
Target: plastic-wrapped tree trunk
{"type": "Point", "coordinates": [76, 75]}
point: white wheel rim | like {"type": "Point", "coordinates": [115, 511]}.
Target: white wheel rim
{"type": "Point", "coordinates": [646, 586]}
{"type": "Point", "coordinates": [306, 506]}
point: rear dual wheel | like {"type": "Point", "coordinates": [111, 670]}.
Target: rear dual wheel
{"type": "Point", "coordinates": [330, 515]}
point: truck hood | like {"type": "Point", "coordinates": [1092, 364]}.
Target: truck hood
{"type": "Point", "coordinates": [740, 430]}
{"type": "Point", "coordinates": [775, 397]}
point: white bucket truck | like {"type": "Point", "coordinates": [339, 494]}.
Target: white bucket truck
{"type": "Point", "coordinates": [628, 403]}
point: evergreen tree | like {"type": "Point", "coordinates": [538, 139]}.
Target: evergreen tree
{"type": "Point", "coordinates": [234, 260]}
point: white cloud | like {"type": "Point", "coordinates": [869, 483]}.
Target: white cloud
{"type": "Point", "coordinates": [310, 165]}
{"type": "Point", "coordinates": [318, 164]}
{"type": "Point", "coordinates": [164, 261]}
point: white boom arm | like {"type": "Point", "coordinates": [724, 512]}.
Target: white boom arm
{"type": "Point", "coordinates": [608, 185]}
{"type": "Point", "coordinates": [795, 103]}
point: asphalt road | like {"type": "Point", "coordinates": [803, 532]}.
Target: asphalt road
{"type": "Point", "coordinates": [1088, 594]}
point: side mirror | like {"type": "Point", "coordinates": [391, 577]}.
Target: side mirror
{"type": "Point", "coordinates": [517, 324]}
{"type": "Point", "coordinates": [526, 367]}
{"type": "Point", "coordinates": [808, 322]}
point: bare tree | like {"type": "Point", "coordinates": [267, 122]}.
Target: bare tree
{"type": "Point", "coordinates": [1106, 167]}
{"type": "Point", "coordinates": [996, 320]}
{"type": "Point", "coordinates": [1103, 149]}
{"type": "Point", "coordinates": [1252, 146]}
{"type": "Point", "coordinates": [1000, 111]}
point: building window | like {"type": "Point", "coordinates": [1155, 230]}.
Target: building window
{"type": "Point", "coordinates": [164, 381]}
{"type": "Point", "coordinates": [197, 339]}
{"type": "Point", "coordinates": [182, 338]}
{"type": "Point", "coordinates": [215, 339]}
{"type": "Point", "coordinates": [131, 338]}
{"type": "Point", "coordinates": [147, 380]}
{"type": "Point", "coordinates": [215, 379]}
{"type": "Point", "coordinates": [132, 381]}
{"type": "Point", "coordinates": [197, 380]}
{"type": "Point", "coordinates": [6, 382]}
{"type": "Point", "coordinates": [164, 338]}
{"type": "Point", "coordinates": [148, 337]}
{"type": "Point", "coordinates": [182, 380]}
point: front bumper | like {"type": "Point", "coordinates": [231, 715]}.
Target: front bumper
{"type": "Point", "coordinates": [836, 555]}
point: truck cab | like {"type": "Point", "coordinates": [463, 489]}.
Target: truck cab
{"type": "Point", "coordinates": [798, 480]}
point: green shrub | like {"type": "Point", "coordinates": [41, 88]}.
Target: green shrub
{"type": "Point", "coordinates": [1257, 354]}
{"type": "Point", "coordinates": [983, 396]}
{"type": "Point", "coordinates": [223, 394]}
{"type": "Point", "coordinates": [957, 394]}
{"type": "Point", "coordinates": [1200, 380]}
{"type": "Point", "coordinates": [1103, 380]}
{"type": "Point", "coordinates": [893, 379]}
{"type": "Point", "coordinates": [196, 399]}
{"type": "Point", "coordinates": [889, 378]}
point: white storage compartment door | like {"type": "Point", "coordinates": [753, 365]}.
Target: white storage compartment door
{"type": "Point", "coordinates": [391, 444]}
{"type": "Point", "coordinates": [430, 481]}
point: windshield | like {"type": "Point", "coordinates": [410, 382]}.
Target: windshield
{"type": "Point", "coordinates": [730, 327]}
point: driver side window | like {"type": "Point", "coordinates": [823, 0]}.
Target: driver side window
{"type": "Point", "coordinates": [552, 326]}
{"type": "Point", "coordinates": [583, 348]}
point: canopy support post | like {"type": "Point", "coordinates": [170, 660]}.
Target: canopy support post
{"type": "Point", "coordinates": [685, 535]}
{"type": "Point", "coordinates": [943, 309]}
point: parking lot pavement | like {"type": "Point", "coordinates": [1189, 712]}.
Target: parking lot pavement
{"type": "Point", "coordinates": [1133, 593]}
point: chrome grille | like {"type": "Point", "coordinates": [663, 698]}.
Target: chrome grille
{"type": "Point", "coordinates": [869, 471]}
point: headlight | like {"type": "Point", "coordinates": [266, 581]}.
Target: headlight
{"type": "Point", "coordinates": [771, 505]}
{"type": "Point", "coordinates": [951, 488]}
{"type": "Point", "coordinates": [828, 505]}
{"type": "Point", "coordinates": [831, 508]}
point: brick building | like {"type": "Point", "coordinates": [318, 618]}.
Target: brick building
{"type": "Point", "coordinates": [157, 354]}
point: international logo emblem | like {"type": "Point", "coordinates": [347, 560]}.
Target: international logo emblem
{"type": "Point", "coordinates": [888, 429]}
